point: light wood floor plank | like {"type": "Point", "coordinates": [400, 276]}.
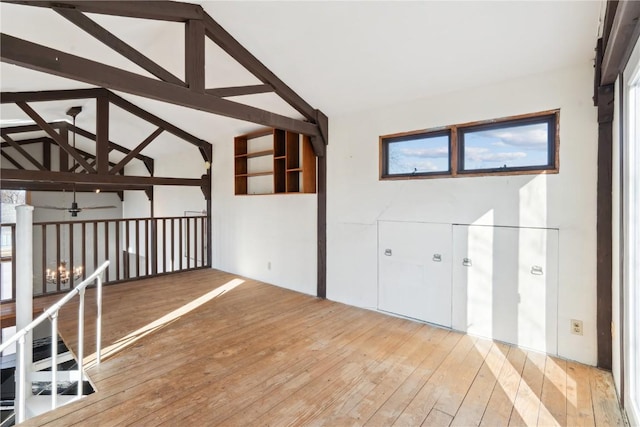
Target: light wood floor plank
{"type": "Point", "coordinates": [605, 404]}
{"type": "Point", "coordinates": [257, 354]}
{"type": "Point", "coordinates": [527, 402]}
{"type": "Point", "coordinates": [392, 408]}
{"type": "Point", "coordinates": [423, 402]}
{"type": "Point", "coordinates": [477, 398]}
{"type": "Point", "coordinates": [503, 395]}
{"type": "Point", "coordinates": [553, 407]}
{"type": "Point", "coordinates": [579, 406]}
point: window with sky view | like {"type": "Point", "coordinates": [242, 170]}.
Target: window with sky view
{"type": "Point", "coordinates": [507, 147]}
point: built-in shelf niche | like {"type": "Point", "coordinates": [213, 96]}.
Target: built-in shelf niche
{"type": "Point", "coordinates": [274, 161]}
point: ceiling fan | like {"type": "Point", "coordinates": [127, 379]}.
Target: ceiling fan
{"type": "Point", "coordinates": [74, 210]}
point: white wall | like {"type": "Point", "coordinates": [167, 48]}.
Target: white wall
{"type": "Point", "coordinates": [566, 201]}
{"type": "Point", "coordinates": [168, 200]}
{"type": "Point", "coordinates": [271, 238]}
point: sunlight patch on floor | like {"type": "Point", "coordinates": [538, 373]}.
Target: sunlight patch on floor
{"type": "Point", "coordinates": [161, 322]}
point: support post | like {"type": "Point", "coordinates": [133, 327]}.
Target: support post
{"type": "Point", "coordinates": [603, 225]}
{"type": "Point", "coordinates": [24, 304]}
{"type": "Point", "coordinates": [322, 226]}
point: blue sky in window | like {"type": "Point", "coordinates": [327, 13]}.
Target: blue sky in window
{"type": "Point", "coordinates": [420, 155]}
{"type": "Point", "coordinates": [515, 146]}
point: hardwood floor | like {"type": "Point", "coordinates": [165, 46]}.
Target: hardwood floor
{"type": "Point", "coordinates": [198, 348]}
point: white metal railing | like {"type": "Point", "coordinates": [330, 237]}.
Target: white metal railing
{"type": "Point", "coordinates": [52, 313]}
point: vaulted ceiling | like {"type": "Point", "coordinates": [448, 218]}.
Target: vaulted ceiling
{"type": "Point", "coordinates": [339, 56]}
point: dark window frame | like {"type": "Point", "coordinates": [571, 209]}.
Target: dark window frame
{"type": "Point", "coordinates": [386, 140]}
{"type": "Point", "coordinates": [456, 147]}
{"type": "Point", "coordinates": [552, 143]}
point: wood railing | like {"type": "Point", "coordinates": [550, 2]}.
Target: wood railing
{"type": "Point", "coordinates": [137, 248]}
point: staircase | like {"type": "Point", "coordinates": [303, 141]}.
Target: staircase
{"type": "Point", "coordinates": [40, 401]}
{"type": "Point", "coordinates": [54, 378]}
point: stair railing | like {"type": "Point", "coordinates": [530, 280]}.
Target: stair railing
{"type": "Point", "coordinates": [52, 313]}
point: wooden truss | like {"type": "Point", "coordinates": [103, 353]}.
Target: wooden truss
{"type": "Point", "coordinates": [190, 92]}
{"type": "Point", "coordinates": [90, 171]}
{"type": "Point", "coordinates": [167, 87]}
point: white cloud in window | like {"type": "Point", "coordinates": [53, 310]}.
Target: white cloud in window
{"type": "Point", "coordinates": [533, 137]}
{"type": "Point", "coordinates": [438, 152]}
{"type": "Point", "coordinates": [480, 154]}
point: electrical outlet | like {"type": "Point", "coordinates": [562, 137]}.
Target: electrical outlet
{"type": "Point", "coordinates": [576, 327]}
{"type": "Point", "coordinates": [269, 265]}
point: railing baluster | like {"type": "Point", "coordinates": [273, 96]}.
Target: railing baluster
{"type": "Point", "coordinates": [106, 247]}
{"type": "Point", "coordinates": [95, 245]}
{"type": "Point", "coordinates": [57, 257]}
{"type": "Point", "coordinates": [164, 245]}
{"type": "Point", "coordinates": [21, 389]}
{"type": "Point", "coordinates": [137, 248]}
{"type": "Point", "coordinates": [202, 240]}
{"type": "Point", "coordinates": [80, 340]}
{"type": "Point", "coordinates": [180, 245]}
{"type": "Point", "coordinates": [13, 261]}
{"type": "Point", "coordinates": [54, 360]}
{"type": "Point", "coordinates": [118, 251]}
{"type": "Point", "coordinates": [154, 246]}
{"type": "Point", "coordinates": [195, 242]}
{"type": "Point", "coordinates": [44, 258]}
{"type": "Point", "coordinates": [173, 246]}
{"type": "Point", "coordinates": [147, 258]}
{"type": "Point", "coordinates": [84, 250]}
{"type": "Point", "coordinates": [127, 261]}
{"type": "Point", "coordinates": [99, 322]}
{"type": "Point", "coordinates": [71, 264]}
{"type": "Point", "coordinates": [188, 244]}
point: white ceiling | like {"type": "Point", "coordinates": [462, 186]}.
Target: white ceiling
{"type": "Point", "coordinates": [340, 57]}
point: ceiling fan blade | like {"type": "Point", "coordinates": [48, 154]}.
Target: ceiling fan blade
{"type": "Point", "coordinates": [98, 207]}
{"type": "Point", "coordinates": [57, 208]}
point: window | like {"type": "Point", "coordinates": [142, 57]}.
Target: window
{"type": "Point", "coordinates": [513, 145]}
{"type": "Point", "coordinates": [417, 154]}
{"type": "Point", "coordinates": [510, 145]}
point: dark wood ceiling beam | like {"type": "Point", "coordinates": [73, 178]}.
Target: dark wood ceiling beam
{"type": "Point", "coordinates": [10, 130]}
{"type": "Point", "coordinates": [91, 162]}
{"type": "Point", "coordinates": [46, 153]}
{"type": "Point", "coordinates": [194, 54]}
{"type": "Point", "coordinates": [136, 150]}
{"type": "Point", "coordinates": [112, 145]}
{"type": "Point", "coordinates": [57, 186]}
{"type": "Point", "coordinates": [53, 134]}
{"type": "Point", "coordinates": [63, 156]}
{"type": "Point", "coordinates": [102, 134]}
{"type": "Point", "coordinates": [23, 152]}
{"type": "Point", "coordinates": [153, 119]}
{"type": "Point", "coordinates": [238, 52]}
{"type": "Point", "coordinates": [90, 159]}
{"type": "Point", "coordinates": [27, 141]}
{"type": "Point", "coordinates": [84, 178]}
{"type": "Point", "coordinates": [625, 29]}
{"type": "Point", "coordinates": [41, 58]}
{"type": "Point", "coordinates": [100, 33]}
{"type": "Point", "coordinates": [11, 160]}
{"type": "Point", "coordinates": [51, 95]}
{"type": "Point", "coordinates": [226, 92]}
{"type": "Point", "coordinates": [157, 10]}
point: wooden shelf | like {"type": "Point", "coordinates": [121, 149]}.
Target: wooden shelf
{"type": "Point", "coordinates": [249, 175]}
{"type": "Point", "coordinates": [294, 163]}
{"type": "Point", "coordinates": [256, 154]}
